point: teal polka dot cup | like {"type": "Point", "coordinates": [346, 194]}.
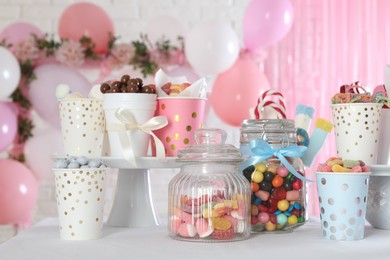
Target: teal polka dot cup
{"type": "Point", "coordinates": [343, 202]}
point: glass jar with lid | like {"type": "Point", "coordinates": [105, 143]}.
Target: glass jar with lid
{"type": "Point", "coordinates": [273, 167]}
{"type": "Point", "coordinates": [209, 200]}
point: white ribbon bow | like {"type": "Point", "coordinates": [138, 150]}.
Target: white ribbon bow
{"type": "Point", "coordinates": [129, 123]}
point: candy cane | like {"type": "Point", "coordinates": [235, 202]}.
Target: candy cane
{"type": "Point", "coordinates": [353, 88]}
{"type": "Point", "coordinates": [262, 103]}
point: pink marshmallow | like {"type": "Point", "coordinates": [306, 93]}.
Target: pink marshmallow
{"type": "Point", "coordinates": [187, 230]}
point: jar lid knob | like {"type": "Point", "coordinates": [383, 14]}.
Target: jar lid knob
{"type": "Point", "coordinates": [210, 136]}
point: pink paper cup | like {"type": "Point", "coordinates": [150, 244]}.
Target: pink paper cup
{"type": "Point", "coordinates": [185, 115]}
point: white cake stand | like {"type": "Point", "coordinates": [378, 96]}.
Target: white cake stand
{"type": "Point", "coordinates": [133, 205]}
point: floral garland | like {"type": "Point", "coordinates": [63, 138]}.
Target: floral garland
{"type": "Point", "coordinates": [30, 52]}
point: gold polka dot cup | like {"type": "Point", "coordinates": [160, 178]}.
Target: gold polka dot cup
{"type": "Point", "coordinates": [343, 202]}
{"type": "Point", "coordinates": [356, 127]}
{"type": "Point", "coordinates": [185, 115]}
{"type": "Point", "coordinates": [80, 202]}
{"type": "Point", "coordinates": [83, 126]}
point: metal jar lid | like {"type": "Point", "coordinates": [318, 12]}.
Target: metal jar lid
{"type": "Point", "coordinates": [274, 131]}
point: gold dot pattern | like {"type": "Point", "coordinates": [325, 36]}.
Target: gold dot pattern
{"type": "Point", "coordinates": [80, 207]}
{"type": "Point", "coordinates": [356, 128]}
{"type": "Point", "coordinates": [181, 125]}
{"type": "Point", "coordinates": [83, 125]}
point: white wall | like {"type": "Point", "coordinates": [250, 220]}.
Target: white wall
{"type": "Point", "coordinates": [129, 18]}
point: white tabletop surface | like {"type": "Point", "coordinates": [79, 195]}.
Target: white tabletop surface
{"type": "Point", "coordinates": [42, 242]}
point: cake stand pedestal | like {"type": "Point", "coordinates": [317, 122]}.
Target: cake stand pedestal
{"type": "Point", "coordinates": [133, 204]}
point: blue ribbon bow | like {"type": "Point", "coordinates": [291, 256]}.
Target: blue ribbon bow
{"type": "Point", "coordinates": [261, 151]}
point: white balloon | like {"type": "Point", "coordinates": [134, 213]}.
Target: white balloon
{"type": "Point", "coordinates": [9, 73]}
{"type": "Point", "coordinates": [212, 47]}
{"type": "Point", "coordinates": [39, 151]}
{"type": "Point", "coordinates": [165, 27]}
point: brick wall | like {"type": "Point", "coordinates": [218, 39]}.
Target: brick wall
{"type": "Point", "coordinates": [129, 18]}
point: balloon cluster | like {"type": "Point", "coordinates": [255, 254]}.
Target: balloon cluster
{"type": "Point", "coordinates": [265, 23]}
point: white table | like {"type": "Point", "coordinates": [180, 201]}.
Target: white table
{"type": "Point", "coordinates": [42, 242]}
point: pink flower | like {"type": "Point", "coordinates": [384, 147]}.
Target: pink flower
{"type": "Point", "coordinates": [26, 50]}
{"type": "Point", "coordinates": [121, 54]}
{"type": "Point", "coordinates": [70, 53]}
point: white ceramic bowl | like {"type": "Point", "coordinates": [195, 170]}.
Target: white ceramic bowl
{"type": "Point", "coordinates": [378, 204]}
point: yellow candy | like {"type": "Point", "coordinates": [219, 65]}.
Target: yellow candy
{"type": "Point", "coordinates": [283, 205]}
{"type": "Point", "coordinates": [257, 176]}
{"type": "Point", "coordinates": [220, 223]}
{"type": "Point", "coordinates": [231, 203]}
{"type": "Point", "coordinates": [269, 226]}
{"type": "Point", "coordinates": [339, 168]}
{"type": "Point", "coordinates": [334, 162]}
{"type": "Point", "coordinates": [273, 170]}
{"type": "Point", "coordinates": [292, 220]}
{"type": "Point", "coordinates": [207, 213]}
{"type": "Point", "coordinates": [261, 167]}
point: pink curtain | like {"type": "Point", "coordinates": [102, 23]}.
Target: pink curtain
{"type": "Point", "coordinates": [331, 43]}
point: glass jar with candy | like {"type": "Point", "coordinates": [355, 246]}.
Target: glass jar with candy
{"type": "Point", "coordinates": [273, 167]}
{"type": "Point", "coordinates": [209, 200]}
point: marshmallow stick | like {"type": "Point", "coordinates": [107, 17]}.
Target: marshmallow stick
{"type": "Point", "coordinates": [303, 117]}
{"type": "Point", "coordinates": [317, 139]}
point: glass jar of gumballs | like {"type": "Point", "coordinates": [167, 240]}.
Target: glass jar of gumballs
{"type": "Point", "coordinates": [209, 199]}
{"type": "Point", "coordinates": [276, 173]}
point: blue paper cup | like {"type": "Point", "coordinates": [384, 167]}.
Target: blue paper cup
{"type": "Point", "coordinates": [343, 203]}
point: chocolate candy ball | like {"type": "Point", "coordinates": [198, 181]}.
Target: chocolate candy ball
{"type": "Point", "coordinates": [116, 84]}
{"type": "Point", "coordinates": [147, 90]}
{"type": "Point", "coordinates": [104, 87]}
{"type": "Point", "coordinates": [131, 88]}
{"type": "Point", "coordinates": [124, 79]}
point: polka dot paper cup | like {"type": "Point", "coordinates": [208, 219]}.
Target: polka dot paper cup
{"type": "Point", "coordinates": [343, 203]}
{"type": "Point", "coordinates": [185, 115]}
{"type": "Point", "coordinates": [80, 202]}
{"type": "Point", "coordinates": [83, 126]}
{"type": "Point", "coordinates": [356, 126]}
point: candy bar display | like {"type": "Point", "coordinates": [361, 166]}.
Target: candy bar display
{"type": "Point", "coordinates": [208, 200]}
{"type": "Point", "coordinates": [276, 173]}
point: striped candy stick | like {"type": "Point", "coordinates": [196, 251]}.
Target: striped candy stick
{"type": "Point", "coordinates": [269, 109]}
{"type": "Point", "coordinates": [353, 88]}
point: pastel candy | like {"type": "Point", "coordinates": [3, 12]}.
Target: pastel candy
{"type": "Point", "coordinates": [233, 220]}
{"type": "Point", "coordinates": [82, 160]}
{"type": "Point", "coordinates": [187, 230]}
{"type": "Point", "coordinates": [61, 164]}
{"type": "Point", "coordinates": [73, 165]}
{"type": "Point", "coordinates": [324, 168]}
{"type": "Point", "coordinates": [339, 168]}
{"type": "Point", "coordinates": [366, 169]}
{"type": "Point", "coordinates": [94, 163]}
{"type": "Point", "coordinates": [350, 163]}
{"type": "Point", "coordinates": [175, 224]}
{"type": "Point", "coordinates": [334, 162]}
{"type": "Point", "coordinates": [356, 168]}
{"type": "Point", "coordinates": [203, 228]}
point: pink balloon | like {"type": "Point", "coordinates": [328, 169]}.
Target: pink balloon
{"type": "Point", "coordinates": [86, 19]}
{"type": "Point", "coordinates": [43, 89]}
{"type": "Point", "coordinates": [18, 192]}
{"type": "Point", "coordinates": [236, 90]}
{"type": "Point", "coordinates": [16, 32]}
{"type": "Point", "coordinates": [185, 71]}
{"type": "Point", "coordinates": [8, 125]}
{"type": "Point", "coordinates": [39, 150]}
{"type": "Point", "coordinates": [266, 22]}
